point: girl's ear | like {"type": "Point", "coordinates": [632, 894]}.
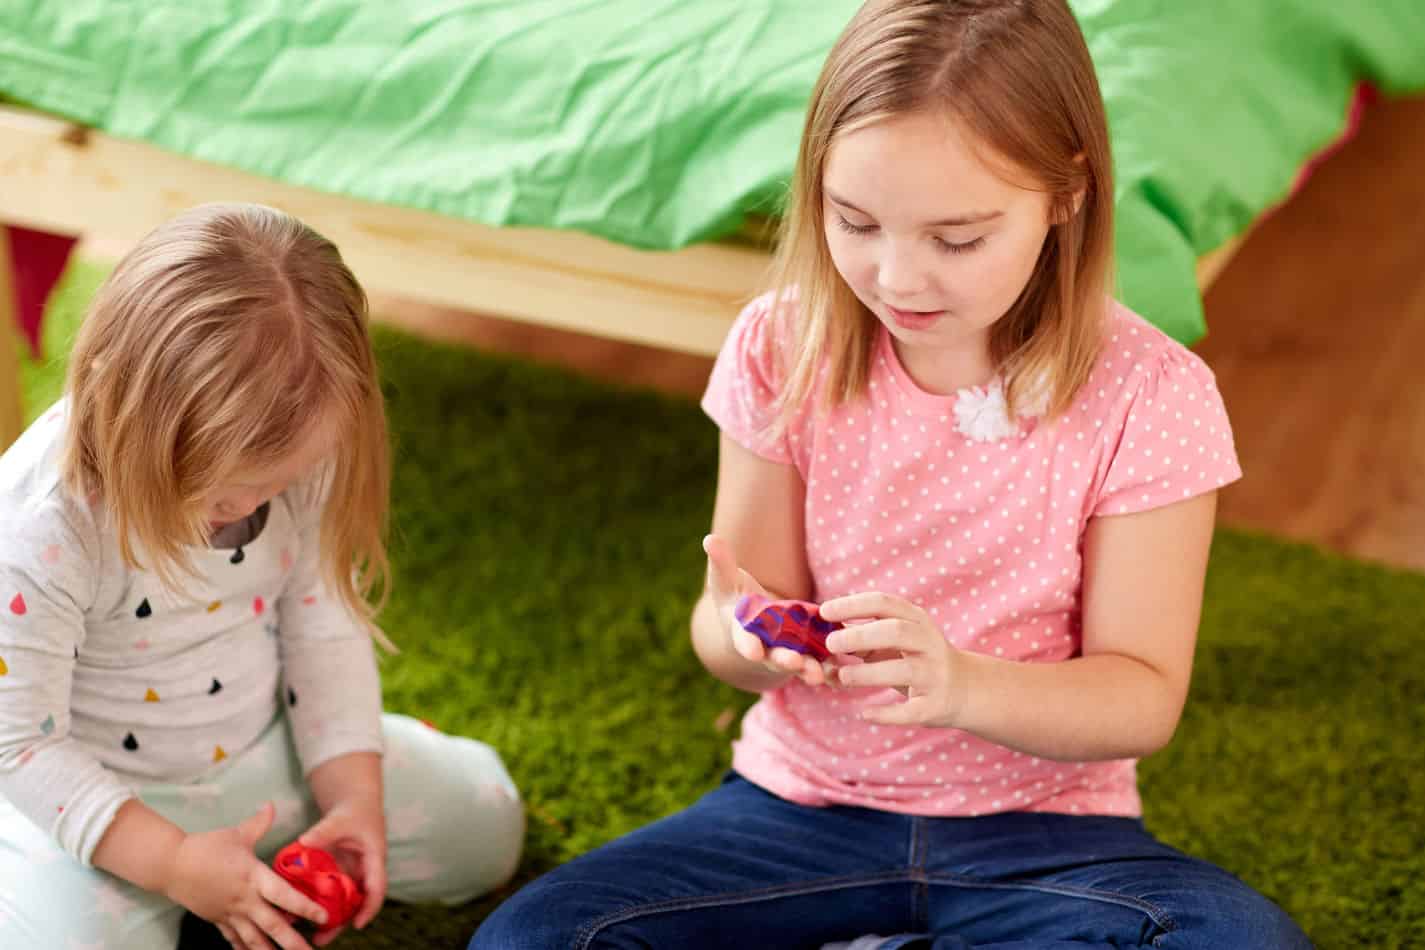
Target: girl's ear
{"type": "Point", "coordinates": [1066, 206]}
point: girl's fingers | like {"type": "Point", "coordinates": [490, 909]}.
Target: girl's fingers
{"type": "Point", "coordinates": [726, 580]}
{"type": "Point", "coordinates": [811, 672]}
{"type": "Point", "coordinates": [230, 936]}
{"type": "Point", "coordinates": [871, 605]}
{"type": "Point", "coordinates": [748, 646]}
{"type": "Point", "coordinates": [279, 893]}
{"type": "Point", "coordinates": [891, 634]}
{"type": "Point", "coordinates": [897, 673]}
{"type": "Point", "coordinates": [275, 926]}
{"type": "Point", "coordinates": [912, 712]}
{"type": "Point", "coordinates": [375, 888]}
{"type": "Point", "coordinates": [253, 828]}
{"type": "Point", "coordinates": [747, 584]}
{"type": "Point", "coordinates": [324, 833]}
{"type": "Point", "coordinates": [806, 668]}
{"type": "Point", "coordinates": [722, 567]}
{"type": "Point", "coordinates": [788, 661]}
{"type": "Point", "coordinates": [251, 938]}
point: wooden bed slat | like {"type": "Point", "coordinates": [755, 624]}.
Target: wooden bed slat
{"type": "Point", "coordinates": [60, 177]}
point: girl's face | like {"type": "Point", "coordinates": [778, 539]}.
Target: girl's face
{"type": "Point", "coordinates": [931, 239]}
{"type": "Point", "coordinates": [249, 488]}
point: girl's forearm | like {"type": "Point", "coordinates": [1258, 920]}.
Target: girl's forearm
{"type": "Point", "coordinates": [1090, 708]}
{"type": "Point", "coordinates": [139, 847]}
{"type": "Point", "coordinates": [347, 777]}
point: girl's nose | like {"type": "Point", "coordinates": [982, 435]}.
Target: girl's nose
{"type": "Point", "coordinates": [899, 276]}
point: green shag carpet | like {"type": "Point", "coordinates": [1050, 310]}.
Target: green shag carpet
{"type": "Point", "coordinates": [546, 543]}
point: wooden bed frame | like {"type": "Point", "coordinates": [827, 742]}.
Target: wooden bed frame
{"type": "Point", "coordinates": [68, 179]}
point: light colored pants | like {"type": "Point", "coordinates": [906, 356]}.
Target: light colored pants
{"type": "Point", "coordinates": [455, 828]}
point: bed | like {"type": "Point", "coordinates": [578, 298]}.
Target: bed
{"type": "Point", "coordinates": [602, 165]}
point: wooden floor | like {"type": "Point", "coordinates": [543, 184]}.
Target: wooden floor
{"type": "Point", "coordinates": [1318, 341]}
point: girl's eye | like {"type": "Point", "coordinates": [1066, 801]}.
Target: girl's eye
{"type": "Point", "coordinates": [850, 228]}
{"type": "Point", "coordinates": [948, 247]}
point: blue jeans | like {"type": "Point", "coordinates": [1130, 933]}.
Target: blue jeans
{"type": "Point", "coordinates": [744, 868]}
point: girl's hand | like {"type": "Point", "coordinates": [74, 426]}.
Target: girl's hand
{"type": "Point", "coordinates": [902, 649]}
{"type": "Point", "coordinates": [217, 876]}
{"type": "Point", "coordinates": [727, 583]}
{"type": "Point", "coordinates": [353, 831]}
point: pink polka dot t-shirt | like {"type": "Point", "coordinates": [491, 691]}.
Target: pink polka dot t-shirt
{"type": "Point", "coordinates": [930, 498]}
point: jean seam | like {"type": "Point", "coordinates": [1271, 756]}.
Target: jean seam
{"type": "Point", "coordinates": [919, 844]}
{"type": "Point", "coordinates": [914, 875]}
{"type": "Point", "coordinates": [1158, 915]}
{"type": "Point", "coordinates": [591, 930]}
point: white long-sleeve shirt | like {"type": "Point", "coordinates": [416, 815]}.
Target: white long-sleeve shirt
{"type": "Point", "coordinates": [109, 680]}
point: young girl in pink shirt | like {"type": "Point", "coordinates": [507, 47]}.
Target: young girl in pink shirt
{"type": "Point", "coordinates": [938, 425]}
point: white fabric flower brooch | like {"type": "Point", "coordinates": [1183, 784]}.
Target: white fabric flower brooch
{"type": "Point", "coordinates": [982, 414]}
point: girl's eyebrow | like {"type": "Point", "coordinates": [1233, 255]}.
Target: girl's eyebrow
{"type": "Point", "coordinates": [978, 217]}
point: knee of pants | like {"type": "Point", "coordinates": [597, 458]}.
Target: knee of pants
{"type": "Point", "coordinates": [547, 913]}
{"type": "Point", "coordinates": [1271, 928]}
{"type": "Point", "coordinates": [487, 847]}
{"type": "Point", "coordinates": [47, 899]}
{"type": "Point", "coordinates": [1243, 920]}
{"type": "Point", "coordinates": [455, 821]}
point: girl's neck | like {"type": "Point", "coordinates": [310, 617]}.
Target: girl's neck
{"type": "Point", "coordinates": [945, 370]}
{"type": "Point", "coordinates": [241, 532]}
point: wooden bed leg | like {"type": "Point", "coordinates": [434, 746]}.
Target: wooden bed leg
{"type": "Point", "coordinates": [11, 411]}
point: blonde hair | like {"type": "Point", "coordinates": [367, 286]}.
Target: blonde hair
{"type": "Point", "coordinates": [216, 345]}
{"type": "Point", "coordinates": [1018, 75]}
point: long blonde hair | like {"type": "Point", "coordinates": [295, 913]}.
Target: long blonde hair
{"type": "Point", "coordinates": [215, 345]}
{"type": "Point", "coordinates": [1018, 75]}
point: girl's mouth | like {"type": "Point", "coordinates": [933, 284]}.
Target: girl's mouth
{"type": "Point", "coordinates": [914, 319]}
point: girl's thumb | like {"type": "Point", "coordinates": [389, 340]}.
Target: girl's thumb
{"type": "Point", "coordinates": [722, 566]}
{"type": "Point", "coordinates": [317, 835]}
{"type": "Point", "coordinates": [259, 824]}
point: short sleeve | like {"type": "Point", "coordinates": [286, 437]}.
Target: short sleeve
{"type": "Point", "coordinates": [745, 384]}
{"type": "Point", "coordinates": [1175, 441]}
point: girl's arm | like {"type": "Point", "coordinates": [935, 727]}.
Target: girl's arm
{"type": "Point", "coordinates": [758, 514]}
{"type": "Point", "coordinates": [331, 686]}
{"type": "Point", "coordinates": [139, 846]}
{"type": "Point", "coordinates": [348, 789]}
{"type": "Point", "coordinates": [215, 874]}
{"type": "Point", "coordinates": [1142, 599]}
{"type": "Point", "coordinates": [49, 570]}
{"type": "Point", "coordinates": [332, 694]}
{"type": "Point", "coordinates": [1143, 581]}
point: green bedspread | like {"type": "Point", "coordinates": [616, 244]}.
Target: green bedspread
{"type": "Point", "coordinates": [658, 123]}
